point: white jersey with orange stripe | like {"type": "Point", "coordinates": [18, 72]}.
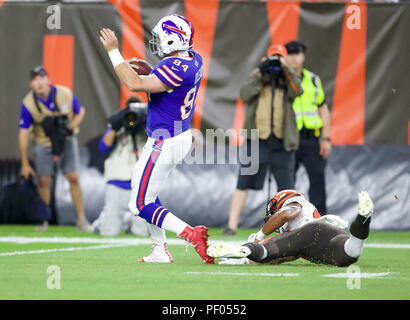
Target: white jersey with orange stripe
{"type": "Point", "coordinates": [308, 214]}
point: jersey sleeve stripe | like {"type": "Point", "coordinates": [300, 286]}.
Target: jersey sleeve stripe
{"type": "Point", "coordinates": [163, 74]}
{"type": "Point", "coordinates": [172, 73]}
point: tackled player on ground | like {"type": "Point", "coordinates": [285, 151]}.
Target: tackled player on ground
{"type": "Point", "coordinates": [304, 234]}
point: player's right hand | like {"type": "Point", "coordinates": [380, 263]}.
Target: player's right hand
{"type": "Point", "coordinates": [26, 171]}
{"type": "Point", "coordinates": [252, 237]}
{"type": "Point", "coordinates": [257, 237]}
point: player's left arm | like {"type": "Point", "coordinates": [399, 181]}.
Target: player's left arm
{"type": "Point", "coordinates": [280, 218]}
{"type": "Point", "coordinates": [276, 221]}
{"type": "Point", "coordinates": [127, 76]}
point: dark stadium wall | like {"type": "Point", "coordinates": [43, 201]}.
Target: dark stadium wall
{"type": "Point", "coordinates": [30, 44]}
{"type": "Point", "coordinates": [364, 70]}
{"type": "Point", "coordinates": [358, 50]}
{"type": "Point", "coordinates": [387, 76]}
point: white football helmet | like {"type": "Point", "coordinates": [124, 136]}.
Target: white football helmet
{"type": "Point", "coordinates": [172, 33]}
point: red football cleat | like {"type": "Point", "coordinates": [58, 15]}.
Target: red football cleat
{"type": "Point", "coordinates": [198, 238]}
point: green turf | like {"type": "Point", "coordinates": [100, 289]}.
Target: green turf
{"type": "Point", "coordinates": [113, 273]}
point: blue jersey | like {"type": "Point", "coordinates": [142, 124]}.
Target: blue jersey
{"type": "Point", "coordinates": [173, 110]}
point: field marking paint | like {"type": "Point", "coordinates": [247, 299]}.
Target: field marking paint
{"type": "Point", "coordinates": [143, 241]}
{"type": "Point", "coordinates": [16, 253]}
{"type": "Point", "coordinates": [118, 242]}
{"type": "Point", "coordinates": [26, 240]}
{"type": "Point", "coordinates": [359, 275]}
{"type": "Point", "coordinates": [245, 274]}
{"type": "Point", "coordinates": [388, 245]}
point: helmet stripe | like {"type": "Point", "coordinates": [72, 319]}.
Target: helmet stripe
{"type": "Point", "coordinates": [174, 29]}
{"type": "Point", "coordinates": [291, 195]}
{"type": "Point", "coordinates": [191, 39]}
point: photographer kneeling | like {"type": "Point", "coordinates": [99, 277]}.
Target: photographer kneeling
{"type": "Point", "coordinates": [121, 142]}
{"type": "Point", "coordinates": [268, 95]}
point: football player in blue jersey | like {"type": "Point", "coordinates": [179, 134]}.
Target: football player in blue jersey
{"type": "Point", "coordinates": [172, 87]}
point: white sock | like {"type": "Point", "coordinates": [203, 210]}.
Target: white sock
{"type": "Point", "coordinates": [265, 253]}
{"type": "Point", "coordinates": [354, 246]}
{"type": "Point", "coordinates": [157, 234]}
{"type": "Point", "coordinates": [173, 224]}
{"type": "Point", "coordinates": [246, 250]}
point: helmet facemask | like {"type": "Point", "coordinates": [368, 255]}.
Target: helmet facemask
{"type": "Point", "coordinates": [270, 209]}
{"type": "Point", "coordinates": [154, 44]}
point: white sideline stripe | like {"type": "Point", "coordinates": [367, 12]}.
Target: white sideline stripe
{"type": "Point", "coordinates": [246, 274]}
{"type": "Point", "coordinates": [359, 275]}
{"type": "Point", "coordinates": [102, 240]}
{"type": "Point", "coordinates": [15, 253]}
{"type": "Point", "coordinates": [388, 245]}
{"type": "Point", "coordinates": [143, 241]}
{"type": "Point", "coordinates": [25, 240]}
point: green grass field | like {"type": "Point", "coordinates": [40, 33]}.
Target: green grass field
{"type": "Point", "coordinates": [95, 267]}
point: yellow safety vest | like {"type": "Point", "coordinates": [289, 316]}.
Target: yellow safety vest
{"type": "Point", "coordinates": [306, 105]}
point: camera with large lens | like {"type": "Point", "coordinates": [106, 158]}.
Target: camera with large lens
{"type": "Point", "coordinates": [135, 119]}
{"type": "Point", "coordinates": [57, 125]}
{"type": "Point", "coordinates": [272, 67]}
{"type": "Point", "coordinates": [56, 128]}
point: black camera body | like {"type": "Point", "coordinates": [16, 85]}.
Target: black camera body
{"type": "Point", "coordinates": [272, 67]}
{"type": "Point", "coordinates": [56, 129]}
{"type": "Point", "coordinates": [135, 119]}
{"type": "Point", "coordinates": [57, 125]}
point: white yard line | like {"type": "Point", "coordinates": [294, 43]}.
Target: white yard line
{"type": "Point", "coordinates": [16, 253]}
{"type": "Point", "coordinates": [104, 242]}
{"type": "Point", "coordinates": [359, 275]}
{"type": "Point", "coordinates": [246, 274]}
{"type": "Point", "coordinates": [388, 245]}
{"type": "Point", "coordinates": [143, 241]}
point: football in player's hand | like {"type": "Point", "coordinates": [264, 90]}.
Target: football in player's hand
{"type": "Point", "coordinates": [141, 67]}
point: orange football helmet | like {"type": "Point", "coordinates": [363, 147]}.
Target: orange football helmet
{"type": "Point", "coordinates": [276, 203]}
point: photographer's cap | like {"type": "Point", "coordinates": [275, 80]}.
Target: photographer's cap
{"type": "Point", "coordinates": [277, 49]}
{"type": "Point", "coordinates": [295, 47]}
{"type": "Point", "coordinates": [38, 70]}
